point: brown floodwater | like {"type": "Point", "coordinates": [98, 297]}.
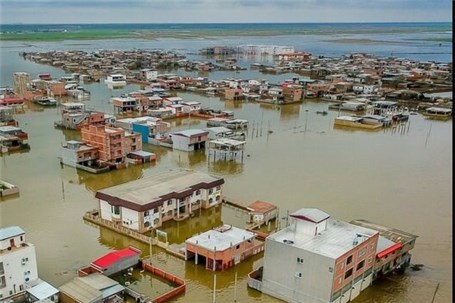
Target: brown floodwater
{"type": "Point", "coordinates": [294, 158]}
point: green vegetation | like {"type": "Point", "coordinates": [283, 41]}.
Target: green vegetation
{"type": "Point", "coordinates": [59, 36]}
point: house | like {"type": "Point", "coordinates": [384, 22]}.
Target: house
{"type": "Point", "coordinates": [149, 74]}
{"type": "Point", "coordinates": [226, 149]}
{"type": "Point", "coordinates": [189, 140]}
{"type": "Point", "coordinates": [262, 212]}
{"type": "Point", "coordinates": [219, 132]}
{"type": "Point", "coordinates": [317, 259]}
{"type": "Point", "coordinates": [124, 104]}
{"type": "Point", "coordinates": [82, 156]}
{"type": "Point", "coordinates": [93, 288]}
{"type": "Point", "coordinates": [221, 248]}
{"type": "Point", "coordinates": [233, 94]}
{"type": "Point", "coordinates": [392, 252]}
{"type": "Point", "coordinates": [113, 143]}
{"type": "Point", "coordinates": [6, 116]}
{"type": "Point", "coordinates": [75, 116]}
{"type": "Point", "coordinates": [17, 262]}
{"type": "Point", "coordinates": [148, 202]}
{"type": "Point", "coordinates": [148, 127]}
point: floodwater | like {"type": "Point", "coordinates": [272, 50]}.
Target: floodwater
{"type": "Point", "coordinates": [294, 158]}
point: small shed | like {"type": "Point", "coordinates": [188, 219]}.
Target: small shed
{"type": "Point", "coordinates": [190, 139]}
{"type": "Point", "coordinates": [42, 291]}
{"type": "Point", "coordinates": [262, 212]}
{"type": "Point", "coordinates": [117, 261]}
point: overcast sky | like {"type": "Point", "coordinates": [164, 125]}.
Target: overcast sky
{"type": "Point", "coordinates": [223, 11]}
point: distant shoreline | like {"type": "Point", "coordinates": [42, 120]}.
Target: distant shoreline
{"type": "Point", "coordinates": [149, 31]}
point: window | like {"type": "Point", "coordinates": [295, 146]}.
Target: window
{"type": "Point", "coordinates": [238, 246]}
{"type": "Point", "coordinates": [348, 273]}
{"type": "Point", "coordinates": [210, 191]}
{"type": "Point", "coordinates": [362, 252]}
{"type": "Point", "coordinates": [198, 192]}
{"type": "Point", "coordinates": [218, 188]}
{"type": "Point", "coordinates": [330, 269]}
{"type": "Point", "coordinates": [360, 265]}
{"type": "Point", "coordinates": [116, 210]}
{"type": "Point", "coordinates": [300, 260]}
{"type": "Point", "coordinates": [349, 260]}
{"type": "Point", "coordinates": [298, 275]}
{"type": "Point", "coordinates": [169, 202]}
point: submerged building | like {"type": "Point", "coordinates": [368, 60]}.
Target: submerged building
{"type": "Point", "coordinates": [317, 259]}
{"type": "Point", "coordinates": [148, 202]}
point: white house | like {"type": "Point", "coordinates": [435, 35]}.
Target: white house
{"type": "Point", "coordinates": [189, 140]}
{"type": "Point", "coordinates": [149, 74]}
{"type": "Point", "coordinates": [148, 202]}
{"type": "Point", "coordinates": [17, 262]}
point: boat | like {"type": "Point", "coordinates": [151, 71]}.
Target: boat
{"type": "Point", "coordinates": [357, 122]}
{"type": "Point", "coordinates": [438, 113]}
{"type": "Point", "coordinates": [45, 101]}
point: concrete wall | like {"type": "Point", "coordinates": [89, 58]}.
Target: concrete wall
{"type": "Point", "coordinates": [281, 274]}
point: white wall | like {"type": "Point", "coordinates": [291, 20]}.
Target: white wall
{"type": "Point", "coordinates": [105, 210]}
{"type": "Point", "coordinates": [281, 267]}
{"type": "Point", "coordinates": [130, 218]}
{"type": "Point", "coordinates": [19, 267]}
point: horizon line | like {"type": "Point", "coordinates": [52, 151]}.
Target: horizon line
{"type": "Point", "coordinates": [258, 22]}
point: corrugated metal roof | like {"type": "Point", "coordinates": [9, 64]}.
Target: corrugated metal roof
{"type": "Point", "coordinates": [43, 290]}
{"type": "Point", "coordinates": [115, 256]}
{"type": "Point", "coordinates": [10, 231]}
{"type": "Point", "coordinates": [80, 291]}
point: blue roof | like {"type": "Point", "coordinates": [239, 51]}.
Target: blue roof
{"type": "Point", "coordinates": [10, 231]}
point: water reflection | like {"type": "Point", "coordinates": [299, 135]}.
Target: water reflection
{"type": "Point", "coordinates": [204, 219]}
{"type": "Point", "coordinates": [95, 182]}
{"type": "Point", "coordinates": [289, 111]}
{"type": "Point", "coordinates": [187, 159]}
{"type": "Point", "coordinates": [226, 167]}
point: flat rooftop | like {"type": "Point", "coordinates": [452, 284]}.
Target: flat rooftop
{"type": "Point", "coordinates": [221, 238]}
{"type": "Point", "coordinates": [151, 189]}
{"type": "Point", "coordinates": [392, 234]}
{"type": "Point", "coordinates": [333, 242]}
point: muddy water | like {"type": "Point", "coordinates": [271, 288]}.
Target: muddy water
{"type": "Point", "coordinates": [294, 158]}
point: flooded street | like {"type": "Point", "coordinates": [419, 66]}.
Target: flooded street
{"type": "Point", "coordinates": [399, 177]}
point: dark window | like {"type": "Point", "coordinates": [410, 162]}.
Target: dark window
{"type": "Point", "coordinates": [349, 260]}
{"type": "Point", "coordinates": [348, 273]}
{"type": "Point", "coordinates": [360, 265]}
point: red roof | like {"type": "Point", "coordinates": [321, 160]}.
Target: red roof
{"type": "Point", "coordinates": [389, 250]}
{"type": "Point", "coordinates": [115, 256]}
{"type": "Point", "coordinates": [11, 100]}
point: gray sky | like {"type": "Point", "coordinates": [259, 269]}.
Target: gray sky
{"type": "Point", "coordinates": [223, 11]}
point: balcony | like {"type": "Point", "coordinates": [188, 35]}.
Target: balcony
{"type": "Point", "coordinates": [255, 279]}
